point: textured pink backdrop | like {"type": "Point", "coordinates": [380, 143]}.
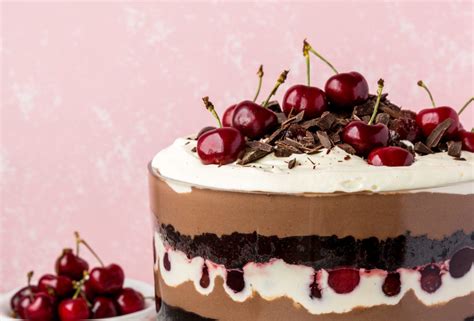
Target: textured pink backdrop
{"type": "Point", "coordinates": [91, 91]}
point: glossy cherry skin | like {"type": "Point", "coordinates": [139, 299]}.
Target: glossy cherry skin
{"type": "Point", "coordinates": [364, 137]}
{"type": "Point", "coordinates": [73, 310]}
{"type": "Point", "coordinates": [205, 130]}
{"type": "Point", "coordinates": [390, 156]}
{"type": "Point", "coordinates": [70, 265]}
{"type": "Point", "coordinates": [429, 118]}
{"type": "Point", "coordinates": [467, 139]}
{"type": "Point", "coordinates": [129, 301]}
{"type": "Point", "coordinates": [253, 120]}
{"type": "Point", "coordinates": [311, 100]}
{"type": "Point", "coordinates": [228, 116]}
{"type": "Point", "coordinates": [19, 295]}
{"type": "Point", "coordinates": [106, 280]}
{"type": "Point", "coordinates": [103, 308]}
{"type": "Point", "coordinates": [40, 309]}
{"type": "Point", "coordinates": [61, 285]}
{"type": "Point", "coordinates": [220, 146]}
{"type": "Point", "coordinates": [347, 89]}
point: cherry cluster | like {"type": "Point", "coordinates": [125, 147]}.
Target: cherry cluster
{"type": "Point", "coordinates": [75, 292]}
{"type": "Point", "coordinates": [249, 120]}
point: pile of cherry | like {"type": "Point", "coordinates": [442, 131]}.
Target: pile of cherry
{"type": "Point", "coordinates": [249, 120]}
{"type": "Point", "coordinates": [75, 292]}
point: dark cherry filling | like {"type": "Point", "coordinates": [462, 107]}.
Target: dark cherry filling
{"type": "Point", "coordinates": [315, 291]}
{"type": "Point", "coordinates": [344, 280]}
{"type": "Point", "coordinates": [205, 280]}
{"type": "Point", "coordinates": [430, 278]}
{"type": "Point", "coordinates": [392, 284]}
{"type": "Point", "coordinates": [166, 262]}
{"type": "Point", "coordinates": [235, 280]}
{"type": "Point", "coordinates": [461, 262]}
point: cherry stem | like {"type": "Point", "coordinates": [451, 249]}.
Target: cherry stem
{"type": "Point", "coordinates": [79, 285]}
{"type": "Point", "coordinates": [306, 48]}
{"type": "Point", "coordinates": [422, 85]}
{"type": "Point", "coordinates": [79, 240]}
{"type": "Point", "coordinates": [260, 79]}
{"type": "Point", "coordinates": [465, 105]}
{"type": "Point", "coordinates": [29, 276]}
{"type": "Point", "coordinates": [280, 81]}
{"type": "Point", "coordinates": [314, 52]}
{"type": "Point", "coordinates": [210, 107]}
{"type": "Point", "coordinates": [377, 102]}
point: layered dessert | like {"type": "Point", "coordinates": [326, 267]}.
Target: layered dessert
{"type": "Point", "coordinates": [328, 208]}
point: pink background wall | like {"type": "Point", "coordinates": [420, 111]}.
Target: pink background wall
{"type": "Point", "coordinates": [91, 91]}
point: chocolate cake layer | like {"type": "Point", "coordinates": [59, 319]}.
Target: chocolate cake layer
{"type": "Point", "coordinates": [360, 215]}
{"type": "Point", "coordinates": [169, 313]}
{"type": "Point", "coordinates": [220, 307]}
{"type": "Point", "coordinates": [319, 252]}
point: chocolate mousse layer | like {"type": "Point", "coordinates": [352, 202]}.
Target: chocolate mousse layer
{"type": "Point", "coordinates": [358, 215]}
{"type": "Point", "coordinates": [217, 306]}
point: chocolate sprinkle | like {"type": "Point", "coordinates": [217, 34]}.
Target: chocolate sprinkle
{"type": "Point", "coordinates": [454, 149]}
{"type": "Point", "coordinates": [292, 163]}
{"type": "Point", "coordinates": [422, 149]}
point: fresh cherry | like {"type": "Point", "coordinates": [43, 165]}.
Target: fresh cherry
{"type": "Point", "coordinates": [311, 100]}
{"type": "Point", "coordinates": [205, 130]}
{"type": "Point", "coordinates": [467, 139]}
{"type": "Point", "coordinates": [60, 285]}
{"type": "Point", "coordinates": [390, 156]}
{"type": "Point", "coordinates": [429, 118]}
{"type": "Point", "coordinates": [343, 280]}
{"type": "Point", "coordinates": [27, 292]}
{"type": "Point", "coordinates": [74, 309]}
{"type": "Point", "coordinates": [106, 279]}
{"type": "Point", "coordinates": [71, 265]}
{"type": "Point", "coordinates": [343, 90]}
{"type": "Point", "coordinates": [220, 146]}
{"type": "Point", "coordinates": [129, 301]}
{"type": "Point", "coordinates": [103, 308]}
{"type": "Point", "coordinates": [366, 137]}
{"type": "Point", "coordinates": [253, 120]}
{"type": "Point", "coordinates": [41, 308]}
{"type": "Point", "coordinates": [228, 116]}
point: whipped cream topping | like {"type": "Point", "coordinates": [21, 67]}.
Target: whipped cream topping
{"type": "Point", "coordinates": [278, 279]}
{"type": "Point", "coordinates": [318, 173]}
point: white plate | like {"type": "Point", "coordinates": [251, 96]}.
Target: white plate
{"type": "Point", "coordinates": [148, 314]}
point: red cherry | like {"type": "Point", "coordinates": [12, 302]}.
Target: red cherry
{"type": "Point", "coordinates": [25, 292]}
{"type": "Point", "coordinates": [103, 308]}
{"type": "Point", "coordinates": [220, 146]}
{"type": "Point", "coordinates": [71, 265]}
{"type": "Point", "coordinates": [311, 100]}
{"type": "Point", "coordinates": [106, 280]}
{"type": "Point", "coordinates": [467, 139]}
{"type": "Point", "coordinates": [61, 285]}
{"type": "Point", "coordinates": [429, 118]}
{"type": "Point", "coordinates": [343, 280]}
{"type": "Point", "coordinates": [430, 278]}
{"type": "Point", "coordinates": [40, 309]}
{"type": "Point", "coordinates": [129, 301]}
{"type": "Point", "coordinates": [205, 130]}
{"type": "Point", "coordinates": [228, 116]}
{"type": "Point", "coordinates": [73, 310]}
{"type": "Point", "coordinates": [390, 156]}
{"type": "Point", "coordinates": [253, 120]}
{"type": "Point", "coordinates": [347, 89]}
{"type": "Point", "coordinates": [364, 137]}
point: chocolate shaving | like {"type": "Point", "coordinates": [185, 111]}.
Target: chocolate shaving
{"type": "Point", "coordinates": [382, 118]}
{"type": "Point", "coordinates": [194, 149]}
{"type": "Point", "coordinates": [314, 150]}
{"type": "Point", "coordinates": [284, 145]}
{"type": "Point", "coordinates": [422, 149]}
{"type": "Point", "coordinates": [252, 156]}
{"type": "Point", "coordinates": [282, 152]}
{"type": "Point", "coordinates": [460, 159]}
{"type": "Point", "coordinates": [435, 137]}
{"type": "Point", "coordinates": [454, 149]}
{"type": "Point", "coordinates": [324, 139]}
{"type": "Point", "coordinates": [347, 157]}
{"type": "Point", "coordinates": [260, 146]}
{"type": "Point", "coordinates": [274, 106]}
{"type": "Point", "coordinates": [292, 163]}
{"type": "Point", "coordinates": [294, 119]}
{"type": "Point", "coordinates": [347, 148]}
{"type": "Point", "coordinates": [406, 113]}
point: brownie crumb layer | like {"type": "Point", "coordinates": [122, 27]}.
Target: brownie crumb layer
{"type": "Point", "coordinates": [319, 252]}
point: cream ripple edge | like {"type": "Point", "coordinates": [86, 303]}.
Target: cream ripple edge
{"type": "Point", "coordinates": [440, 173]}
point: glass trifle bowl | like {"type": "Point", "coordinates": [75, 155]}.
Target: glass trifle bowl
{"type": "Point", "coordinates": [332, 239]}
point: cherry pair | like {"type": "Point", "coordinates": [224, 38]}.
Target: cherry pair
{"type": "Point", "coordinates": [342, 91]}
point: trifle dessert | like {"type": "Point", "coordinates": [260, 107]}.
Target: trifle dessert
{"type": "Point", "coordinates": [335, 205]}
